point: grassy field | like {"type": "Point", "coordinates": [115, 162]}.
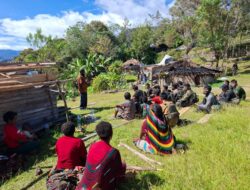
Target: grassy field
{"type": "Point", "coordinates": [218, 155]}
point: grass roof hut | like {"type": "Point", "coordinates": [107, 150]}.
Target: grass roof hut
{"type": "Point", "coordinates": [185, 71]}
{"type": "Point", "coordinates": [132, 65]}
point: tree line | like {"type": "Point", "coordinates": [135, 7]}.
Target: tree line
{"type": "Point", "coordinates": [214, 24]}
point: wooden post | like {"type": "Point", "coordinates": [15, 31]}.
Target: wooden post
{"type": "Point", "coordinates": [140, 155]}
{"type": "Point", "coordinates": [64, 100]}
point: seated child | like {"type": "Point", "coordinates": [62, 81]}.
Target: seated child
{"type": "Point", "coordinates": [71, 151]}
{"type": "Point", "coordinates": [16, 140]}
{"type": "Point", "coordinates": [104, 167]}
{"type": "Point", "coordinates": [71, 159]}
{"type": "Point", "coordinates": [127, 109]}
{"type": "Point", "coordinates": [144, 106]}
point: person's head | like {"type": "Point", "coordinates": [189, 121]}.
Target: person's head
{"type": "Point", "coordinates": [207, 89]}
{"type": "Point", "coordinates": [156, 91]}
{"type": "Point", "coordinates": [104, 131]}
{"type": "Point", "coordinates": [224, 87]}
{"type": "Point", "coordinates": [174, 86]}
{"type": "Point", "coordinates": [82, 72]}
{"type": "Point", "coordinates": [147, 86]}
{"type": "Point", "coordinates": [127, 96]}
{"type": "Point", "coordinates": [187, 87]}
{"type": "Point", "coordinates": [10, 117]}
{"type": "Point", "coordinates": [68, 129]}
{"type": "Point", "coordinates": [156, 108]}
{"type": "Point", "coordinates": [234, 83]}
{"type": "Point", "coordinates": [226, 82]}
{"type": "Point", "coordinates": [135, 87]}
{"type": "Point", "coordinates": [164, 96]}
{"type": "Point", "coordinates": [165, 87]}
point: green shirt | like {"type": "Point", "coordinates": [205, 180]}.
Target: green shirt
{"type": "Point", "coordinates": [240, 93]}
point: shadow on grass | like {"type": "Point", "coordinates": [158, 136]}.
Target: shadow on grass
{"type": "Point", "coordinates": [99, 109]}
{"type": "Point", "coordinates": [245, 72]}
{"type": "Point", "coordinates": [145, 182]}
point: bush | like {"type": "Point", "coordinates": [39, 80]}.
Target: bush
{"type": "Point", "coordinates": [100, 83]}
{"type": "Point", "coordinates": [116, 67]}
{"type": "Point", "coordinates": [108, 81]}
{"type": "Point", "coordinates": [177, 55]}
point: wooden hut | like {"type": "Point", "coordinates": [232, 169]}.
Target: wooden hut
{"type": "Point", "coordinates": [31, 91]}
{"type": "Point", "coordinates": [184, 71]}
{"type": "Point", "coordinates": [132, 65]}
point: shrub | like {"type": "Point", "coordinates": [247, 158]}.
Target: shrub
{"type": "Point", "coordinates": [100, 83]}
{"type": "Point", "coordinates": [116, 67]}
{"type": "Point", "coordinates": [108, 81]}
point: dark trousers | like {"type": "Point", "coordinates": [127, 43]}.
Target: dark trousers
{"type": "Point", "coordinates": [84, 100]}
{"type": "Point", "coordinates": [25, 147]}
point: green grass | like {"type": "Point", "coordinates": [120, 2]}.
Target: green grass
{"type": "Point", "coordinates": [218, 155]}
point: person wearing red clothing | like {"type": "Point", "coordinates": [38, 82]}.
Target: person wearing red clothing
{"type": "Point", "coordinates": [104, 168]}
{"type": "Point", "coordinates": [71, 151]}
{"type": "Point", "coordinates": [157, 99]}
{"type": "Point", "coordinates": [16, 141]}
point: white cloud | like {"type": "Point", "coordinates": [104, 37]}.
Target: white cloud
{"type": "Point", "coordinates": [14, 32]}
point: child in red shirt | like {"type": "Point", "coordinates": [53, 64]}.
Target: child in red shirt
{"type": "Point", "coordinates": [16, 141]}
{"type": "Point", "coordinates": [104, 167]}
{"type": "Point", "coordinates": [71, 151]}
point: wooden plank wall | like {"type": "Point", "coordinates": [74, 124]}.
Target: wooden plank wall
{"type": "Point", "coordinates": [33, 105]}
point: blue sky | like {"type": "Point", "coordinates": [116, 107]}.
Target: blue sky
{"type": "Point", "coordinates": [20, 17]}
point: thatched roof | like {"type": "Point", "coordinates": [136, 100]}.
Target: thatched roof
{"type": "Point", "coordinates": [132, 62]}
{"type": "Point", "coordinates": [182, 68]}
{"type": "Point", "coordinates": [193, 70]}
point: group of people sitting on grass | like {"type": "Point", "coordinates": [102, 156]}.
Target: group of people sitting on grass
{"type": "Point", "coordinates": [231, 93]}
{"type": "Point", "coordinates": [138, 105]}
{"type": "Point", "coordinates": [101, 166]}
{"type": "Point", "coordinates": [159, 110]}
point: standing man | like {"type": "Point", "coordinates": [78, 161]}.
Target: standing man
{"type": "Point", "coordinates": [235, 68]}
{"type": "Point", "coordinates": [82, 88]}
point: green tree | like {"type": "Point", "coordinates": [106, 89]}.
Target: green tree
{"type": "Point", "coordinates": [27, 56]}
{"type": "Point", "coordinates": [141, 40]}
{"type": "Point", "coordinates": [94, 38]}
{"type": "Point", "coordinates": [37, 40]}
{"type": "Point", "coordinates": [184, 20]}
{"type": "Point", "coordinates": [218, 22]}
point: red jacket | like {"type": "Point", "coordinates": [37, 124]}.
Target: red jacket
{"type": "Point", "coordinates": [82, 84]}
{"type": "Point", "coordinates": [157, 100]}
{"type": "Point", "coordinates": [71, 152]}
{"type": "Point", "coordinates": [12, 137]}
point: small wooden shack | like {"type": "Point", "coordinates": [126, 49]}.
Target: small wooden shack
{"type": "Point", "coordinates": [133, 65]}
{"type": "Point", "coordinates": [31, 90]}
{"type": "Point", "coordinates": [185, 71]}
